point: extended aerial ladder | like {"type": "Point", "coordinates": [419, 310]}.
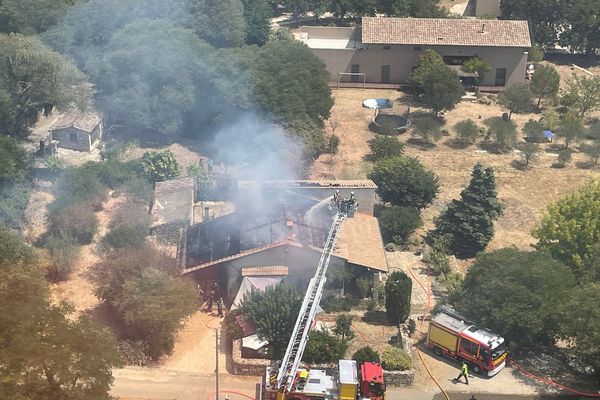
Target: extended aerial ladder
{"type": "Point", "coordinates": [293, 355]}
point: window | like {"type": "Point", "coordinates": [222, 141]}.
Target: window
{"type": "Point", "coordinates": [500, 76]}
{"type": "Point", "coordinates": [455, 60]}
{"type": "Point", "coordinates": [417, 48]}
{"type": "Point", "coordinates": [469, 347]}
{"type": "Point", "coordinates": [386, 47]}
{"type": "Point", "coordinates": [73, 137]}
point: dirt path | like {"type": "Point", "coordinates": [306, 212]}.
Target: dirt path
{"type": "Point", "coordinates": [78, 290]}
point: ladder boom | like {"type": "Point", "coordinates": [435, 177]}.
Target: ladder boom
{"type": "Point", "coordinates": [308, 310]}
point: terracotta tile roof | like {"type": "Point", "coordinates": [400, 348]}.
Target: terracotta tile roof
{"type": "Point", "coordinates": [449, 32]}
{"type": "Point", "coordinates": [360, 242]}
{"type": "Point", "coordinates": [265, 271]}
{"type": "Point", "coordinates": [83, 121]}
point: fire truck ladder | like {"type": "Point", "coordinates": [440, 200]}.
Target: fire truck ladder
{"type": "Point", "coordinates": [299, 338]}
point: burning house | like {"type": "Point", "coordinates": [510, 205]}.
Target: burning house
{"type": "Point", "coordinates": [282, 223]}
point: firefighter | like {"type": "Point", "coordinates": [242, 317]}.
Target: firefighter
{"type": "Point", "coordinates": [336, 198]}
{"type": "Point", "coordinates": [464, 371]}
{"type": "Point", "coordinates": [220, 307]}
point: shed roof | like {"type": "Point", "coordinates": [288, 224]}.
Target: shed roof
{"type": "Point", "coordinates": [360, 242]}
{"type": "Point", "coordinates": [86, 122]}
{"type": "Point", "coordinates": [448, 32]}
{"type": "Point", "coordinates": [173, 201]}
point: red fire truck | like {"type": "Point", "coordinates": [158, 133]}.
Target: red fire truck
{"type": "Point", "coordinates": [454, 336]}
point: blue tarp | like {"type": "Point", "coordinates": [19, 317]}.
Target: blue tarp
{"type": "Point", "coordinates": [548, 135]}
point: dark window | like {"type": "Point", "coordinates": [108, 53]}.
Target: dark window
{"type": "Point", "coordinates": [469, 347]}
{"type": "Point", "coordinates": [73, 137]}
{"type": "Point", "coordinates": [500, 76]}
{"type": "Point", "coordinates": [455, 60]}
{"type": "Point", "coordinates": [386, 47]}
{"type": "Point", "coordinates": [417, 48]}
{"type": "Point", "coordinates": [355, 69]}
{"type": "Point", "coordinates": [385, 74]}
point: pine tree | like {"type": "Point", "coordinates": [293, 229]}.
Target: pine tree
{"type": "Point", "coordinates": [258, 26]}
{"type": "Point", "coordinates": [468, 223]}
{"type": "Point", "coordinates": [397, 297]}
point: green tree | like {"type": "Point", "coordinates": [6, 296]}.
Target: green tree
{"type": "Point", "coordinates": [365, 354]}
{"type": "Point", "coordinates": [274, 312]}
{"type": "Point", "coordinates": [583, 34]}
{"type": "Point", "coordinates": [405, 182]}
{"type": "Point", "coordinates": [593, 149]}
{"type": "Point", "coordinates": [398, 289]}
{"type": "Point", "coordinates": [147, 294]}
{"type": "Point", "coordinates": [505, 133]}
{"type": "Point", "coordinates": [534, 131]}
{"type": "Point", "coordinates": [14, 162]}
{"type": "Point", "coordinates": [76, 219]}
{"type": "Point", "coordinates": [35, 76]}
{"type": "Point", "coordinates": [579, 316]}
{"type": "Point", "coordinates": [436, 256]}
{"type": "Point", "coordinates": [468, 224]}
{"type": "Point", "coordinates": [384, 147]}
{"type": "Point", "coordinates": [32, 16]}
{"type": "Point", "coordinates": [544, 17]}
{"type": "Point", "coordinates": [545, 83]}
{"type": "Point", "coordinates": [443, 90]}
{"type": "Point", "coordinates": [550, 119]}
{"type": "Point", "coordinates": [14, 198]}
{"type": "Point", "coordinates": [324, 348]}
{"type": "Point", "coordinates": [584, 94]}
{"type": "Point", "coordinates": [256, 17]}
{"type": "Point", "coordinates": [429, 129]}
{"type": "Point", "coordinates": [467, 131]}
{"type": "Point", "coordinates": [412, 8]}
{"type": "Point", "coordinates": [571, 128]}
{"type": "Point", "coordinates": [528, 287]}
{"type": "Point", "coordinates": [219, 22]}
{"type": "Point", "coordinates": [343, 326]}
{"type": "Point", "coordinates": [398, 223]}
{"type": "Point", "coordinates": [428, 60]}
{"type": "Point", "coordinates": [570, 228]}
{"type": "Point", "coordinates": [479, 65]}
{"type": "Point", "coordinates": [160, 166]}
{"type": "Point", "coordinates": [564, 157]}
{"type": "Point", "coordinates": [395, 359]}
{"type": "Point", "coordinates": [529, 152]}
{"type": "Point", "coordinates": [63, 255]}
{"type": "Point", "coordinates": [128, 228]}
{"type": "Point", "coordinates": [535, 54]}
{"type": "Point", "coordinates": [517, 98]}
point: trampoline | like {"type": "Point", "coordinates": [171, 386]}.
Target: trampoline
{"type": "Point", "coordinates": [389, 124]}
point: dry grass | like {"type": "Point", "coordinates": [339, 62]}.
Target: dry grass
{"type": "Point", "coordinates": [525, 194]}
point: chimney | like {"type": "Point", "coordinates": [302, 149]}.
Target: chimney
{"type": "Point", "coordinates": [482, 28]}
{"type": "Point", "coordinates": [206, 217]}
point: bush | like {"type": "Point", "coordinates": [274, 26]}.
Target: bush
{"type": "Point", "coordinates": [505, 133]}
{"type": "Point", "coordinates": [343, 326]}
{"type": "Point", "coordinates": [411, 326]}
{"type": "Point", "coordinates": [334, 303]}
{"type": "Point", "coordinates": [128, 228]}
{"type": "Point", "coordinates": [79, 184]}
{"type": "Point", "coordinates": [429, 129]}
{"type": "Point", "coordinates": [398, 223]}
{"type": "Point", "coordinates": [324, 348]}
{"type": "Point", "coordinates": [160, 166]}
{"type": "Point", "coordinates": [63, 254]}
{"type": "Point", "coordinates": [365, 354]}
{"type": "Point", "coordinates": [436, 256]}
{"type": "Point", "coordinates": [54, 164]}
{"type": "Point", "coordinates": [112, 172]}
{"type": "Point", "coordinates": [466, 131]}
{"type": "Point", "coordinates": [397, 297]}
{"type": "Point", "coordinates": [384, 147]}
{"type": "Point", "coordinates": [535, 54]}
{"type": "Point", "coordinates": [395, 359]}
{"type": "Point", "coordinates": [391, 247]}
{"type": "Point", "coordinates": [133, 352]}
{"type": "Point", "coordinates": [333, 143]}
{"type": "Point", "coordinates": [363, 285]}
{"type": "Point", "coordinates": [76, 220]}
{"type": "Point", "coordinates": [564, 157]}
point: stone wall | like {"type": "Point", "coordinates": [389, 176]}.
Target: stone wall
{"type": "Point", "coordinates": [168, 234]}
{"type": "Point", "coordinates": [246, 366]}
{"type": "Point", "coordinates": [399, 378]}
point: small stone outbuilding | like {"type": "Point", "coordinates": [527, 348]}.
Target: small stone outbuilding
{"type": "Point", "coordinates": [78, 131]}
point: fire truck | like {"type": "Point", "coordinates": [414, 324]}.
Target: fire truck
{"type": "Point", "coordinates": [287, 380]}
{"type": "Point", "coordinates": [454, 336]}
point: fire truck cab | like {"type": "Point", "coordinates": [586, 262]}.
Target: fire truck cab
{"type": "Point", "coordinates": [454, 336]}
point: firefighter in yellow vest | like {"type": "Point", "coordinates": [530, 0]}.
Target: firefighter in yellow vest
{"type": "Point", "coordinates": [464, 371]}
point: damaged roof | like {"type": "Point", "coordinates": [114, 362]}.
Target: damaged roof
{"type": "Point", "coordinates": [173, 201]}
{"type": "Point", "coordinates": [86, 122]}
{"type": "Point", "coordinates": [449, 32]}
{"type": "Point", "coordinates": [320, 183]}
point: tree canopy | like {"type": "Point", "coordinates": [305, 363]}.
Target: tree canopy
{"type": "Point", "coordinates": [570, 228]}
{"type": "Point", "coordinates": [467, 225]}
{"type": "Point", "coordinates": [517, 98]}
{"type": "Point", "coordinates": [398, 289]}
{"type": "Point", "coordinates": [32, 77]}
{"type": "Point", "coordinates": [527, 288]}
{"type": "Point", "coordinates": [218, 22]}
{"type": "Point", "coordinates": [274, 312]}
{"type": "Point", "coordinates": [258, 25]}
{"type": "Point", "coordinates": [405, 182]}
{"type": "Point", "coordinates": [32, 16]}
{"type": "Point", "coordinates": [545, 83]}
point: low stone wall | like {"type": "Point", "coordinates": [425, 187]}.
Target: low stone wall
{"type": "Point", "coordinates": [246, 366]}
{"type": "Point", "coordinates": [399, 378]}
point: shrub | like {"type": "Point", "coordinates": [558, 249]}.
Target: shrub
{"type": "Point", "coordinates": [334, 303]}
{"type": "Point", "coordinates": [133, 352]}
{"type": "Point", "coordinates": [333, 143]}
{"type": "Point", "coordinates": [343, 326]}
{"type": "Point", "coordinates": [505, 133]}
{"type": "Point", "coordinates": [76, 220]}
{"type": "Point", "coordinates": [365, 354]}
{"type": "Point", "coordinates": [436, 256]}
{"type": "Point", "coordinates": [324, 348]}
{"type": "Point", "coordinates": [466, 131]}
{"type": "Point", "coordinates": [395, 359]}
{"type": "Point", "coordinates": [564, 157]}
{"type": "Point", "coordinates": [411, 326]}
{"type": "Point", "coordinates": [429, 129]}
{"type": "Point", "coordinates": [384, 147]}
{"type": "Point", "coordinates": [479, 65]}
{"type": "Point", "coordinates": [160, 166]}
{"type": "Point", "coordinates": [54, 164]}
{"type": "Point", "coordinates": [397, 297]}
{"type": "Point", "coordinates": [363, 285]}
{"type": "Point", "coordinates": [112, 172]}
{"type": "Point", "coordinates": [391, 247]}
{"type": "Point", "coordinates": [535, 54]}
{"type": "Point", "coordinates": [63, 254]}
{"type": "Point", "coordinates": [128, 228]}
{"type": "Point", "coordinates": [398, 223]}
{"type": "Point", "coordinates": [79, 184]}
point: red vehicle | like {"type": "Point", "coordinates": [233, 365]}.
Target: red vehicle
{"type": "Point", "coordinates": [454, 336]}
{"type": "Point", "coordinates": [371, 381]}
